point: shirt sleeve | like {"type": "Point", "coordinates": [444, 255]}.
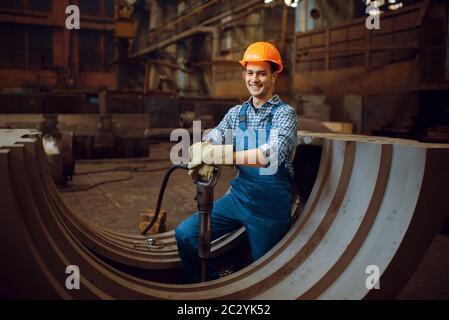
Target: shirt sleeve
{"type": "Point", "coordinates": [218, 134]}
{"type": "Point", "coordinates": [283, 136]}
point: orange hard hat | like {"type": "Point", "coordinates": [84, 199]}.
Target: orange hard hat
{"type": "Point", "coordinates": [262, 51]}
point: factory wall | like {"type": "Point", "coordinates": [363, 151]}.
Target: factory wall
{"type": "Point", "coordinates": [46, 55]}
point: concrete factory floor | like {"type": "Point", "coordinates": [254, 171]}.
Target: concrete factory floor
{"type": "Point", "coordinates": [117, 206]}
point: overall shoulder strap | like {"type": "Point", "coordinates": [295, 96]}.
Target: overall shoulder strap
{"type": "Point", "coordinates": [242, 117]}
{"type": "Point", "coordinates": [271, 116]}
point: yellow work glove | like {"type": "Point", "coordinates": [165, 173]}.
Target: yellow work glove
{"type": "Point", "coordinates": [207, 153]}
{"type": "Point", "coordinates": [202, 172]}
{"type": "Point", "coordinates": [196, 151]}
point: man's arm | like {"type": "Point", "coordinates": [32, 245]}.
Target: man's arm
{"type": "Point", "coordinates": [223, 154]}
{"type": "Point", "coordinates": [283, 136]}
{"type": "Point", "coordinates": [217, 136]}
{"type": "Point", "coordinates": [251, 158]}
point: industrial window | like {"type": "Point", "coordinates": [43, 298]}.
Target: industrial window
{"type": "Point", "coordinates": [226, 41]}
{"type": "Point", "coordinates": [181, 7]}
{"type": "Point", "coordinates": [97, 8]}
{"type": "Point", "coordinates": [108, 55]}
{"type": "Point", "coordinates": [13, 4]}
{"type": "Point", "coordinates": [12, 46]}
{"type": "Point", "coordinates": [108, 8]}
{"type": "Point", "coordinates": [39, 5]}
{"type": "Point", "coordinates": [25, 47]}
{"type": "Point", "coordinates": [96, 50]}
{"type": "Point", "coordinates": [40, 41]}
{"type": "Point", "coordinates": [35, 5]}
{"type": "Point", "coordinates": [89, 7]}
{"type": "Point", "coordinates": [90, 50]}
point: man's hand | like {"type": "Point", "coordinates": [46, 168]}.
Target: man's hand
{"type": "Point", "coordinates": [202, 172]}
{"type": "Point", "coordinates": [196, 153]}
{"type": "Point", "coordinates": [207, 153]}
{"type": "Point", "coordinates": [198, 170]}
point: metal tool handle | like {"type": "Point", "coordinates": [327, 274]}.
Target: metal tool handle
{"type": "Point", "coordinates": [205, 200]}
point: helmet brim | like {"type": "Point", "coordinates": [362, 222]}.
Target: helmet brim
{"type": "Point", "coordinates": [243, 63]}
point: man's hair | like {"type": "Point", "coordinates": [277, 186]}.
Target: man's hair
{"type": "Point", "coordinates": [273, 66]}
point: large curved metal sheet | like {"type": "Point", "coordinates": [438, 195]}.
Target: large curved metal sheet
{"type": "Point", "coordinates": [376, 202]}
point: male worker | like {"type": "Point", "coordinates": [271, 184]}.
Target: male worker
{"type": "Point", "coordinates": [259, 200]}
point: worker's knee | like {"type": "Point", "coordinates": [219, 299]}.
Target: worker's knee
{"type": "Point", "coordinates": [186, 235]}
{"type": "Point", "coordinates": [180, 233]}
{"type": "Point", "coordinates": [261, 245]}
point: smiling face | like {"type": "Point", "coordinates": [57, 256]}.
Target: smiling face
{"type": "Point", "coordinates": [260, 80]}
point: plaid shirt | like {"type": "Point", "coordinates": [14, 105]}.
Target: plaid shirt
{"type": "Point", "coordinates": [283, 136]}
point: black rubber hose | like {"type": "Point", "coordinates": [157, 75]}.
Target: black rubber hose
{"type": "Point", "coordinates": [161, 194]}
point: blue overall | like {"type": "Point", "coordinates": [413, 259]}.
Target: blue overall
{"type": "Point", "coordinates": [260, 203]}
